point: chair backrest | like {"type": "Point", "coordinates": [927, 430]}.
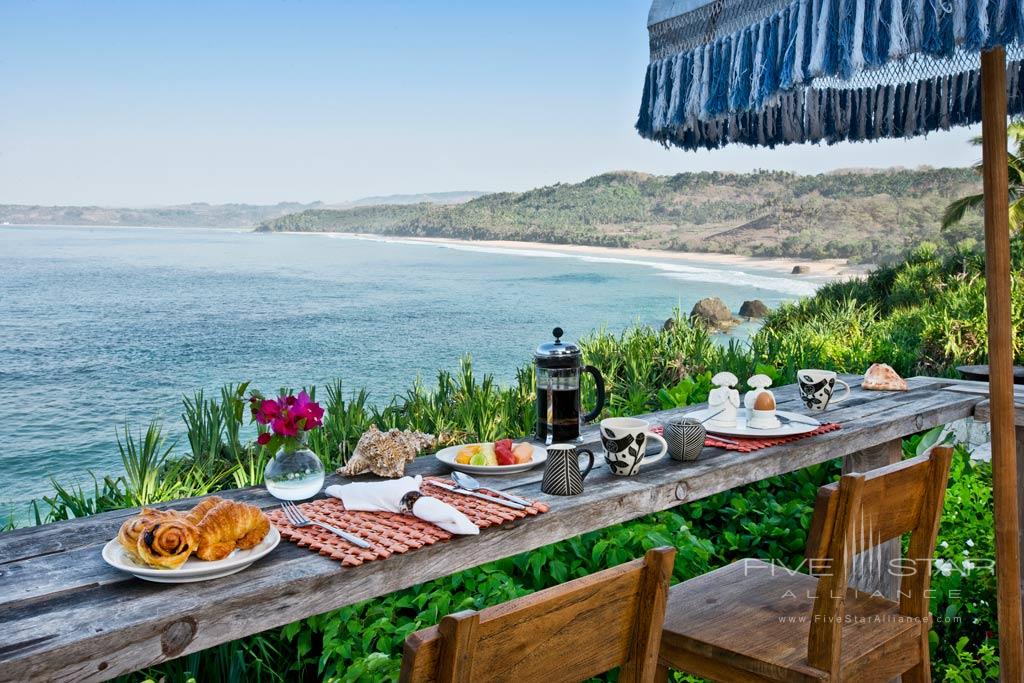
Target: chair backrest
{"type": "Point", "coordinates": [859, 512]}
{"type": "Point", "coordinates": [569, 632]}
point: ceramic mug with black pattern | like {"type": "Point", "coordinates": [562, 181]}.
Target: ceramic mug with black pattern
{"type": "Point", "coordinates": [625, 444]}
{"type": "Point", "coordinates": [817, 387]}
{"type": "Point", "coordinates": [562, 473]}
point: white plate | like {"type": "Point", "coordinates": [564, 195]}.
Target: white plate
{"type": "Point", "coordinates": [447, 456]}
{"type": "Point", "coordinates": [194, 569]}
{"type": "Point", "coordinates": [742, 430]}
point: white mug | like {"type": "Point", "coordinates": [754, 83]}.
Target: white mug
{"type": "Point", "coordinates": [625, 444]}
{"type": "Point", "coordinates": [816, 387]}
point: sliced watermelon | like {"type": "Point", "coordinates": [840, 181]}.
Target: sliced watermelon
{"type": "Point", "coordinates": [503, 449]}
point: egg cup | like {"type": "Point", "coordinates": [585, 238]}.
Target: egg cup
{"type": "Point", "coordinates": [762, 419]}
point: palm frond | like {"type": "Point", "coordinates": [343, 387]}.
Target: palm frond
{"type": "Point", "coordinates": [957, 209]}
{"type": "Point", "coordinates": [1017, 215]}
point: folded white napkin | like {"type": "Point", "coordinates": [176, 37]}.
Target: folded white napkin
{"type": "Point", "coordinates": [386, 496]}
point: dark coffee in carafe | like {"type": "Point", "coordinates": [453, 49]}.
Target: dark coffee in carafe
{"type": "Point", "coordinates": [563, 420]}
{"type": "Point", "coordinates": [559, 367]}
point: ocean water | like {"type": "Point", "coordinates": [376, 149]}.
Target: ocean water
{"type": "Point", "coordinates": [99, 325]}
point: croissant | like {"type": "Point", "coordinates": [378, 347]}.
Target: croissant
{"type": "Point", "coordinates": [196, 514]}
{"type": "Point", "coordinates": [230, 525]}
{"type": "Point", "coordinates": [128, 535]}
{"type": "Point", "coordinates": [167, 542]}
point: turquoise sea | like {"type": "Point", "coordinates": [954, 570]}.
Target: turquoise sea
{"type": "Point", "coordinates": [99, 325]}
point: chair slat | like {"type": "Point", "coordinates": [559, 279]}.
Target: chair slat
{"type": "Point", "coordinates": [565, 633]}
{"type": "Point", "coordinates": [890, 506]}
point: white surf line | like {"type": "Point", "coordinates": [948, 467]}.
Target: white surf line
{"type": "Point", "coordinates": [677, 271]}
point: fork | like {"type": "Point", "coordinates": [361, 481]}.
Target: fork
{"type": "Point", "coordinates": [297, 519]}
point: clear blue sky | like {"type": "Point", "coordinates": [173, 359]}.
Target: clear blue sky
{"type": "Point", "coordinates": [141, 103]}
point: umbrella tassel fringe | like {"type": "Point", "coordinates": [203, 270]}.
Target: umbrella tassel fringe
{"type": "Point", "coordinates": [752, 85]}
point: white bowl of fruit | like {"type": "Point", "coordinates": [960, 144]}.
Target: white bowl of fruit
{"type": "Point", "coordinates": [493, 457]}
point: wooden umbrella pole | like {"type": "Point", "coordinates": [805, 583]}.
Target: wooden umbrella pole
{"type": "Point", "coordinates": [1000, 358]}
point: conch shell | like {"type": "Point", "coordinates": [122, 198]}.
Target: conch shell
{"type": "Point", "coordinates": [385, 453]}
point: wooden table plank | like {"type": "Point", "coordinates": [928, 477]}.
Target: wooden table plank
{"type": "Point", "coordinates": [68, 616]}
{"type": "Point", "coordinates": [983, 411]}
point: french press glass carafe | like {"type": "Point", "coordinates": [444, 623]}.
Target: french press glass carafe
{"type": "Point", "coordinates": [559, 366]}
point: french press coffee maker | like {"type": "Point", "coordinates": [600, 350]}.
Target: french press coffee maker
{"type": "Point", "coordinates": [559, 366]}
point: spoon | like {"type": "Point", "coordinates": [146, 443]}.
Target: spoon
{"type": "Point", "coordinates": [471, 484]}
{"type": "Point", "coordinates": [689, 416]}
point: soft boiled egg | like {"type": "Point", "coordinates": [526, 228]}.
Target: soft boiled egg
{"type": "Point", "coordinates": [764, 401]}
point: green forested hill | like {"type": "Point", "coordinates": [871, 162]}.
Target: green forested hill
{"type": "Point", "coordinates": [199, 215]}
{"type": "Point", "coordinates": [861, 215]}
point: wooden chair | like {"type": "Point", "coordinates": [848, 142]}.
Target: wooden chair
{"type": "Point", "coordinates": [753, 621]}
{"type": "Point", "coordinates": [569, 632]}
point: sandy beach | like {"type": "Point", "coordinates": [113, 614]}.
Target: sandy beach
{"type": "Point", "coordinates": [828, 269]}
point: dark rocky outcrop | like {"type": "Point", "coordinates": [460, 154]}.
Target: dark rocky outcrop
{"type": "Point", "coordinates": [713, 312]}
{"type": "Point", "coordinates": [800, 270]}
{"type": "Point", "coordinates": [753, 309]}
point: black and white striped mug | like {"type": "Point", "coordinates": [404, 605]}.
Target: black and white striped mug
{"type": "Point", "coordinates": [562, 475]}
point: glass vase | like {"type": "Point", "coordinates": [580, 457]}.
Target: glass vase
{"type": "Point", "coordinates": [295, 473]}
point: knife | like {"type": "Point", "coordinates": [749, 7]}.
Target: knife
{"type": "Point", "coordinates": [474, 494]}
{"type": "Point", "coordinates": [809, 421]}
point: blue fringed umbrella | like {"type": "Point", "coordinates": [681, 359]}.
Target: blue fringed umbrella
{"type": "Point", "coordinates": [769, 72]}
{"type": "Point", "coordinates": [776, 72]}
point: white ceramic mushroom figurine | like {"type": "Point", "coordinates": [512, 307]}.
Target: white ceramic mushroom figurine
{"type": "Point", "coordinates": [724, 400]}
{"type": "Point", "coordinates": [757, 384]}
{"type": "Point", "coordinates": [760, 403]}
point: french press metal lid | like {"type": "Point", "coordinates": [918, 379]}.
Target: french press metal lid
{"type": "Point", "coordinates": [558, 354]}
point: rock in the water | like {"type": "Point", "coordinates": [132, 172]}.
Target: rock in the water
{"type": "Point", "coordinates": [713, 312]}
{"type": "Point", "coordinates": [753, 309]}
{"type": "Point", "coordinates": [669, 324]}
{"type": "Point", "coordinates": [801, 270]}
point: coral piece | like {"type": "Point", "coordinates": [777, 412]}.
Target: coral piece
{"type": "Point", "coordinates": [385, 453]}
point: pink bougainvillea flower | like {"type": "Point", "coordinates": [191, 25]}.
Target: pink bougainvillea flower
{"type": "Point", "coordinates": [284, 426]}
{"type": "Point", "coordinates": [267, 411]}
{"type": "Point", "coordinates": [288, 416]}
{"type": "Point", "coordinates": [308, 410]}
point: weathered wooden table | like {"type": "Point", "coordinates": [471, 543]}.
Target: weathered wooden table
{"type": "Point", "coordinates": [66, 615]}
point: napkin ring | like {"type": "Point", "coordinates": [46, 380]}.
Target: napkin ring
{"type": "Point", "coordinates": [408, 500]}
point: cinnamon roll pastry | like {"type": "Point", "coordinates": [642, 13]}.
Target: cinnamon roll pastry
{"type": "Point", "coordinates": [196, 514]}
{"type": "Point", "coordinates": [230, 525]}
{"type": "Point", "coordinates": [128, 535]}
{"type": "Point", "coordinates": [167, 542]}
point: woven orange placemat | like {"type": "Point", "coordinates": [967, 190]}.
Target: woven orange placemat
{"type": "Point", "coordinates": [388, 533]}
{"type": "Point", "coordinates": [747, 445]}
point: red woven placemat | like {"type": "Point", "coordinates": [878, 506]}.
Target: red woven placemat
{"type": "Point", "coordinates": [388, 533]}
{"type": "Point", "coordinates": [747, 445]}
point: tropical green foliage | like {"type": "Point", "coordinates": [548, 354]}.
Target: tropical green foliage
{"type": "Point", "coordinates": [959, 209]}
{"type": "Point", "coordinates": [905, 314]}
{"type": "Point", "coordinates": [874, 216]}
